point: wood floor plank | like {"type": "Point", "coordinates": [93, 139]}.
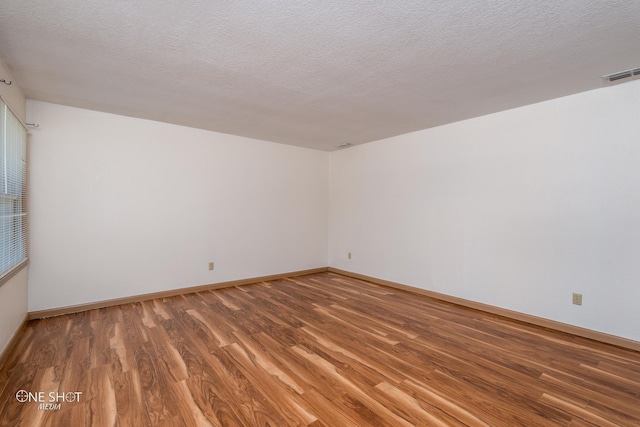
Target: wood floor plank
{"type": "Point", "coordinates": [351, 388]}
{"type": "Point", "coordinates": [316, 350]}
{"type": "Point", "coordinates": [154, 395]}
{"type": "Point", "coordinates": [420, 412]}
{"type": "Point", "coordinates": [100, 400]}
{"type": "Point", "coordinates": [436, 400]}
{"type": "Point", "coordinates": [129, 400]}
{"type": "Point", "coordinates": [333, 414]}
{"type": "Point", "coordinates": [280, 393]}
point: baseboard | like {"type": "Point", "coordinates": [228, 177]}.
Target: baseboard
{"type": "Point", "coordinates": [522, 317]}
{"type": "Point", "coordinates": [40, 314]}
{"type": "Point", "coordinates": [4, 355]}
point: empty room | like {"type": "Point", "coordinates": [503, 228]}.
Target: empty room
{"type": "Point", "coordinates": [320, 213]}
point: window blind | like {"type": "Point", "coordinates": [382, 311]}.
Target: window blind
{"type": "Point", "coordinates": [13, 186]}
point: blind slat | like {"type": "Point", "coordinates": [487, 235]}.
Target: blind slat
{"type": "Point", "coordinates": [13, 173]}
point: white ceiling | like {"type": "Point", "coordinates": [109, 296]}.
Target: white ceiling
{"type": "Point", "coordinates": [314, 73]}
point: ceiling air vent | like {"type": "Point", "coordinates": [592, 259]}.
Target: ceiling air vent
{"type": "Point", "coordinates": [621, 75]}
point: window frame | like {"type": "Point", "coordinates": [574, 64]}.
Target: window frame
{"type": "Point", "coordinates": [23, 213]}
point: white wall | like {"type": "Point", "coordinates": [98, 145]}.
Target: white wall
{"type": "Point", "coordinates": [123, 206]}
{"type": "Point", "coordinates": [13, 306]}
{"type": "Point", "coordinates": [516, 209]}
{"type": "Point", "coordinates": [13, 293]}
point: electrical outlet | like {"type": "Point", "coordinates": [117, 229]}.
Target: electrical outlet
{"type": "Point", "coordinates": [210, 266]}
{"type": "Point", "coordinates": [349, 255]}
{"type": "Point", "coordinates": [577, 299]}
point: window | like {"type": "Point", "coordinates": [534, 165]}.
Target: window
{"type": "Point", "coordinates": [13, 197]}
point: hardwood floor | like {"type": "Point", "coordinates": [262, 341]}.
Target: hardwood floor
{"type": "Point", "coordinates": [317, 350]}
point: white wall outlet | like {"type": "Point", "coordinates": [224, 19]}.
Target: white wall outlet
{"type": "Point", "coordinates": [210, 266]}
{"type": "Point", "coordinates": [349, 255]}
{"type": "Point", "coordinates": [577, 299]}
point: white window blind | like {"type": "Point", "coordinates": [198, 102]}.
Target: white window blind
{"type": "Point", "coordinates": [13, 185]}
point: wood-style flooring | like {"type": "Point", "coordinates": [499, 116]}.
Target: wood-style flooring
{"type": "Point", "coordinates": [317, 350]}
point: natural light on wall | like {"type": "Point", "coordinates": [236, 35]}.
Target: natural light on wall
{"type": "Point", "coordinates": [13, 206]}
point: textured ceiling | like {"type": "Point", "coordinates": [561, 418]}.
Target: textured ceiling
{"type": "Point", "coordinates": [314, 73]}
